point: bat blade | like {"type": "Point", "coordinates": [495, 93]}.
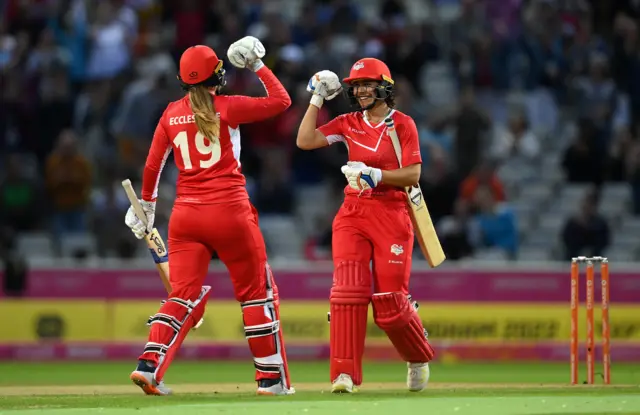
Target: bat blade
{"type": "Point", "coordinates": [420, 217]}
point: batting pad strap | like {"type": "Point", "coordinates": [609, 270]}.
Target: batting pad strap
{"type": "Point", "coordinates": [269, 364]}
{"type": "Point", "coordinates": [257, 303]}
{"type": "Point", "coordinates": [188, 304]}
{"type": "Point", "coordinates": [167, 320]}
{"type": "Point", "coordinates": [259, 307]}
{"type": "Point", "coordinates": [262, 330]}
{"type": "Point", "coordinates": [160, 349]}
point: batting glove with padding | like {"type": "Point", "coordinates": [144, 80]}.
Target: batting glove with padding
{"type": "Point", "coordinates": [246, 53]}
{"type": "Point", "coordinates": [136, 224]}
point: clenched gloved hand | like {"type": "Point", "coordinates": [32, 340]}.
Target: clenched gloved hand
{"type": "Point", "coordinates": [246, 53]}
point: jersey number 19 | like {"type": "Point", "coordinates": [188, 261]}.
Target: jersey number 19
{"type": "Point", "coordinates": [204, 146]}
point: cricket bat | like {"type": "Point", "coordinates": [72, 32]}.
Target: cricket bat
{"type": "Point", "coordinates": [153, 238]}
{"type": "Point", "coordinates": [155, 243]}
{"type": "Point", "coordinates": [422, 223]}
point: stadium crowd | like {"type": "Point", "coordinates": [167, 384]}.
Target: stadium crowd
{"type": "Point", "coordinates": [489, 82]}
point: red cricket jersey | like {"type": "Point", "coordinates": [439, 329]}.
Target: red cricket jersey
{"type": "Point", "coordinates": [371, 145]}
{"type": "Point", "coordinates": [209, 172]}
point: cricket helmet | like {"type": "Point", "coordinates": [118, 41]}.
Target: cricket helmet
{"type": "Point", "coordinates": [373, 70]}
{"type": "Point", "coordinates": [199, 65]}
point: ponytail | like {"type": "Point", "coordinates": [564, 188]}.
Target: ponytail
{"type": "Point", "coordinates": [207, 121]}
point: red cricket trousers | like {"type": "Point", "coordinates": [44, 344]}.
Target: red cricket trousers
{"type": "Point", "coordinates": [232, 231]}
{"type": "Point", "coordinates": [369, 230]}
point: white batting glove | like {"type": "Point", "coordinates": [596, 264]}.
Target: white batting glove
{"type": "Point", "coordinates": [135, 223]}
{"type": "Point", "coordinates": [360, 176]}
{"type": "Point", "coordinates": [323, 85]}
{"type": "Point", "coordinates": [246, 53]}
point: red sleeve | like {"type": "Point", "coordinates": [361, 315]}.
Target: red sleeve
{"type": "Point", "coordinates": [158, 153]}
{"type": "Point", "coordinates": [333, 130]}
{"type": "Point", "coordinates": [408, 135]}
{"type": "Point", "coordinates": [242, 109]}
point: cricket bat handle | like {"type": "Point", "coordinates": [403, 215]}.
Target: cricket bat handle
{"type": "Point", "coordinates": [133, 199]}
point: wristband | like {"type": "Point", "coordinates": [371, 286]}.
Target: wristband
{"type": "Point", "coordinates": [256, 65]}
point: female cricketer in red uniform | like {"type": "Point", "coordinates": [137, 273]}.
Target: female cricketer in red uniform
{"type": "Point", "coordinates": [211, 213]}
{"type": "Point", "coordinates": [373, 225]}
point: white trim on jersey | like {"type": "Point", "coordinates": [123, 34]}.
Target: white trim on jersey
{"type": "Point", "coordinates": [162, 164]}
{"type": "Point", "coordinates": [335, 138]}
{"type": "Point", "coordinates": [364, 117]}
{"type": "Point", "coordinates": [234, 136]}
{"type": "Point", "coordinates": [374, 149]}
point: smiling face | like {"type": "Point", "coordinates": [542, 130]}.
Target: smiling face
{"type": "Point", "coordinates": [365, 91]}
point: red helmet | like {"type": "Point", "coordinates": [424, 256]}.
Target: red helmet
{"type": "Point", "coordinates": [369, 68]}
{"type": "Point", "coordinates": [199, 65]}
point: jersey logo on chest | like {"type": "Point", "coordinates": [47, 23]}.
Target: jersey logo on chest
{"type": "Point", "coordinates": [368, 147]}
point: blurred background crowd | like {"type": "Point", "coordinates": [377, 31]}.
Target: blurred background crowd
{"type": "Point", "coordinates": [528, 113]}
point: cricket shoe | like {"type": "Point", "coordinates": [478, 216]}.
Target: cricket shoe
{"type": "Point", "coordinates": [343, 384]}
{"type": "Point", "coordinates": [144, 377]}
{"type": "Point", "coordinates": [273, 387]}
{"type": "Point", "coordinates": [417, 376]}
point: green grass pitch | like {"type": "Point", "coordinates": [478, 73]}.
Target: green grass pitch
{"type": "Point", "coordinates": [227, 388]}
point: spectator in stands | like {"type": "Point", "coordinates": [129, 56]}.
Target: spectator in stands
{"type": "Point", "coordinates": [68, 179]}
{"type": "Point", "coordinates": [8, 47]}
{"type": "Point", "coordinates": [320, 55]}
{"type": "Point", "coordinates": [587, 233]}
{"type": "Point", "coordinates": [274, 194]}
{"type": "Point", "coordinates": [54, 109]}
{"type": "Point", "coordinates": [517, 149]}
{"type": "Point", "coordinates": [483, 175]}
{"type": "Point", "coordinates": [465, 28]}
{"type": "Point", "coordinates": [46, 55]}
{"type": "Point", "coordinates": [138, 112]}
{"type": "Point", "coordinates": [598, 96]}
{"type": "Point", "coordinates": [625, 61]}
{"type": "Point", "coordinates": [471, 123]}
{"type": "Point", "coordinates": [107, 204]}
{"type": "Point", "coordinates": [620, 154]}
{"type": "Point", "coordinates": [110, 42]}
{"type": "Point", "coordinates": [93, 114]}
{"type": "Point", "coordinates": [439, 184]}
{"type": "Point", "coordinates": [455, 232]}
{"type": "Point", "coordinates": [318, 244]}
{"type": "Point", "coordinates": [436, 138]}
{"type": "Point", "coordinates": [19, 197]}
{"type": "Point", "coordinates": [633, 175]}
{"type": "Point", "coordinates": [407, 102]}
{"type": "Point", "coordinates": [14, 115]}
{"type": "Point", "coordinates": [583, 161]}
{"type": "Point", "coordinates": [495, 223]}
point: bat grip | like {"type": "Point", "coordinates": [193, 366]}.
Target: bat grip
{"type": "Point", "coordinates": [135, 203]}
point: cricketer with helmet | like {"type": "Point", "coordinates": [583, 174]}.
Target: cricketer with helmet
{"type": "Point", "coordinates": [373, 225]}
{"type": "Point", "coordinates": [212, 213]}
